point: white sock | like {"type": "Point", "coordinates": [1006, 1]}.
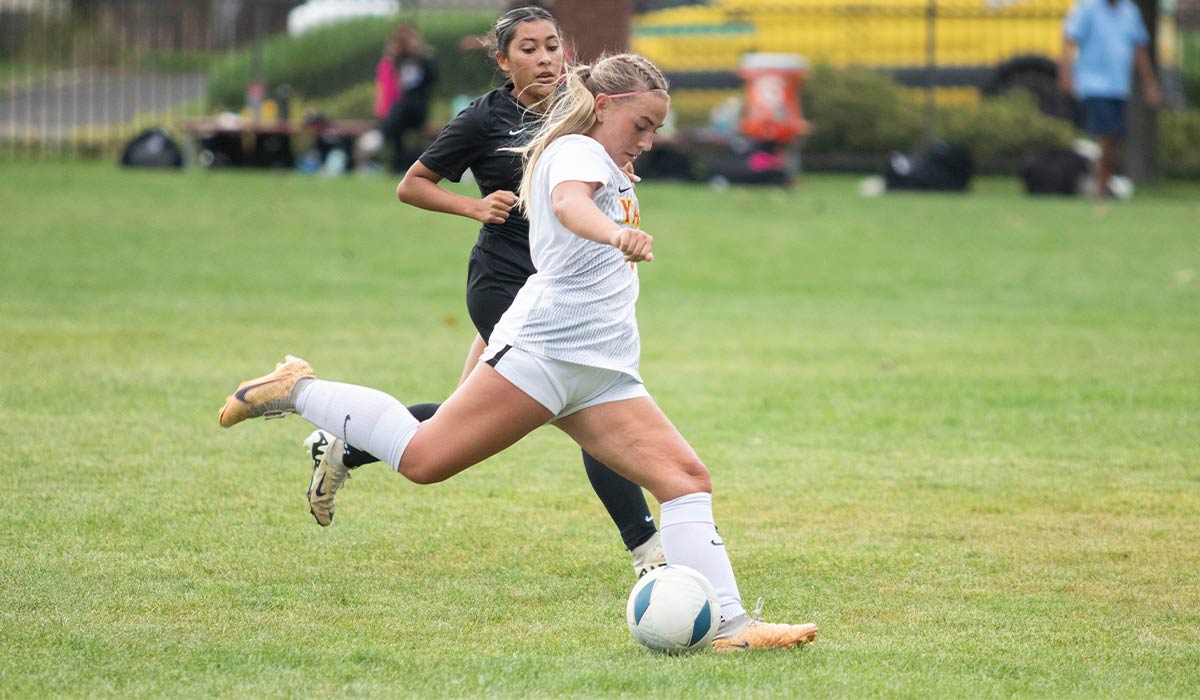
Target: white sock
{"type": "Point", "coordinates": [366, 418]}
{"type": "Point", "coordinates": [689, 537]}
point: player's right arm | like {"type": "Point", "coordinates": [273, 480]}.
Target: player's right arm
{"type": "Point", "coordinates": [420, 188]}
{"type": "Point", "coordinates": [1064, 66]}
{"type": "Point", "coordinates": [575, 208]}
{"type": "Point", "coordinates": [1076, 26]}
{"type": "Point", "coordinates": [455, 150]}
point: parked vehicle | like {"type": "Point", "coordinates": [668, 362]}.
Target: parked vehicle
{"type": "Point", "coordinates": [989, 46]}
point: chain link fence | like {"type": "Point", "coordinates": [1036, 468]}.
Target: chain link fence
{"type": "Point", "coordinates": [78, 78]}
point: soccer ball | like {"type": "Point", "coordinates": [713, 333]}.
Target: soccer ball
{"type": "Point", "coordinates": [673, 609]}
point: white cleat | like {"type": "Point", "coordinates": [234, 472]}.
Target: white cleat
{"type": "Point", "coordinates": [328, 474]}
{"type": "Point", "coordinates": [648, 556]}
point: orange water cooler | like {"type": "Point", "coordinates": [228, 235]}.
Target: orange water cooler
{"type": "Point", "coordinates": [772, 109]}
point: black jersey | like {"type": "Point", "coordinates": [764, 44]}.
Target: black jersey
{"type": "Point", "coordinates": [473, 139]}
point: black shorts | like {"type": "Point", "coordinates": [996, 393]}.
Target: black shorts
{"type": "Point", "coordinates": [492, 284]}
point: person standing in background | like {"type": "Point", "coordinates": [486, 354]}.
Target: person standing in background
{"type": "Point", "coordinates": [387, 88]}
{"type": "Point", "coordinates": [1102, 42]}
{"type": "Point", "coordinates": [404, 80]}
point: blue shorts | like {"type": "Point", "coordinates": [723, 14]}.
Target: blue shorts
{"type": "Point", "coordinates": [1104, 116]}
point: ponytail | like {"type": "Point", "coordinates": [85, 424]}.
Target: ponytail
{"type": "Point", "coordinates": [573, 110]}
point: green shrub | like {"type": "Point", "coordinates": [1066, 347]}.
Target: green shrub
{"type": "Point", "coordinates": [1190, 66]}
{"type": "Point", "coordinates": [359, 103]}
{"type": "Point", "coordinates": [356, 103]}
{"type": "Point", "coordinates": [330, 60]}
{"type": "Point", "coordinates": [858, 110]}
{"type": "Point", "coordinates": [999, 130]}
{"type": "Point", "coordinates": [1178, 136]}
{"type": "Point", "coordinates": [52, 41]}
{"type": "Point", "coordinates": [65, 41]}
{"type": "Point", "coordinates": [692, 109]}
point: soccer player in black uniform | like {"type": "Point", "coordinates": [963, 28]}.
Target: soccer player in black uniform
{"type": "Point", "coordinates": [527, 47]}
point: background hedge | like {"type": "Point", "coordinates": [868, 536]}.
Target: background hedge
{"type": "Point", "coordinates": [861, 112]}
{"type": "Point", "coordinates": [1179, 143]}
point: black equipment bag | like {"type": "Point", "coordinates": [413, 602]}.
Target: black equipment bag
{"type": "Point", "coordinates": [1054, 171]}
{"type": "Point", "coordinates": [941, 167]}
{"type": "Point", "coordinates": [152, 148]}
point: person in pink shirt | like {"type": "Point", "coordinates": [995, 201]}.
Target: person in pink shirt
{"type": "Point", "coordinates": [387, 89]}
{"type": "Point", "coordinates": [404, 80]}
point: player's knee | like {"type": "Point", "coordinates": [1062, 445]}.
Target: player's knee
{"type": "Point", "coordinates": [697, 475]}
{"type": "Point", "coordinates": [423, 472]}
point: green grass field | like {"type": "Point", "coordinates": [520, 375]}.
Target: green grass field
{"type": "Point", "coordinates": [960, 433]}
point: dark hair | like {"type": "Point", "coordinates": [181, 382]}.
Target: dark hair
{"type": "Point", "coordinates": [505, 28]}
{"type": "Point", "coordinates": [398, 45]}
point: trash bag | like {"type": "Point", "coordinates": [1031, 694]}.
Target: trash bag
{"type": "Point", "coordinates": [1059, 171]}
{"type": "Point", "coordinates": [942, 167]}
{"type": "Point", "coordinates": [152, 148]}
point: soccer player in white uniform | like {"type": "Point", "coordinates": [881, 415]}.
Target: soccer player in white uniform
{"type": "Point", "coordinates": [566, 352]}
{"type": "Point", "coordinates": [526, 46]}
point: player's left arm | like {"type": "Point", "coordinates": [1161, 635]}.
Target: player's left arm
{"type": "Point", "coordinates": [1145, 69]}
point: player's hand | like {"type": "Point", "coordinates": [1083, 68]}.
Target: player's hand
{"type": "Point", "coordinates": [634, 243]}
{"type": "Point", "coordinates": [494, 208]}
{"type": "Point", "coordinates": [628, 170]}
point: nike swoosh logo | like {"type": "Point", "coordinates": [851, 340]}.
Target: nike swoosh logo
{"type": "Point", "coordinates": [317, 452]}
{"type": "Point", "coordinates": [623, 190]}
{"type": "Point", "coordinates": [516, 132]}
{"type": "Point", "coordinates": [240, 394]}
{"type": "Point", "coordinates": [321, 483]}
{"type": "Point", "coordinates": [649, 518]}
{"type": "Point", "coordinates": [717, 543]}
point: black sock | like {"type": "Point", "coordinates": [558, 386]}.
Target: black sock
{"type": "Point", "coordinates": [353, 457]}
{"type": "Point", "coordinates": [624, 500]}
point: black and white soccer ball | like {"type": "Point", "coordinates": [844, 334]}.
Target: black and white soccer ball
{"type": "Point", "coordinates": [672, 610]}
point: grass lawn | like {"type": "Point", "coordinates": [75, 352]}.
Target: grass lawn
{"type": "Point", "coordinates": [960, 433]}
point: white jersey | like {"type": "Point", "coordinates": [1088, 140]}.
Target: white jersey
{"type": "Point", "coordinates": [579, 305]}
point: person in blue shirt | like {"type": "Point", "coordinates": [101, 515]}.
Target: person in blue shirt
{"type": "Point", "coordinates": [1102, 42]}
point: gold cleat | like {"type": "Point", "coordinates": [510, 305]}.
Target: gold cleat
{"type": "Point", "coordinates": [269, 396]}
{"type": "Point", "coordinates": [756, 634]}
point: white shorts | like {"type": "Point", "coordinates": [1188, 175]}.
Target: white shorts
{"type": "Point", "coordinates": [562, 387]}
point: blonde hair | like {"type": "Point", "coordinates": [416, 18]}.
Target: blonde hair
{"type": "Point", "coordinates": [574, 108]}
